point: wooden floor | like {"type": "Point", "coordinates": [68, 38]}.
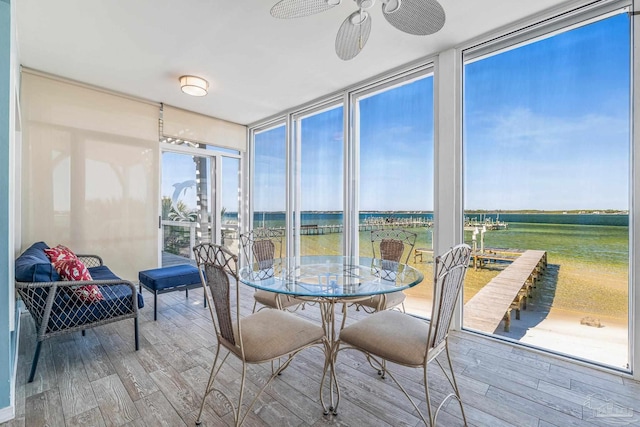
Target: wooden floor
{"type": "Point", "coordinates": [99, 380]}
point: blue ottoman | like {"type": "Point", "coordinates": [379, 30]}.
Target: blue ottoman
{"type": "Point", "coordinates": [168, 279]}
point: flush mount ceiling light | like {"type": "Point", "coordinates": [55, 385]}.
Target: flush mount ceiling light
{"type": "Point", "coordinates": [195, 86]}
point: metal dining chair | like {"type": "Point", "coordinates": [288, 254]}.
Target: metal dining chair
{"type": "Point", "coordinates": [392, 247]}
{"type": "Point", "coordinates": [260, 248]}
{"type": "Point", "coordinates": [261, 337]}
{"type": "Point", "coordinates": [392, 336]}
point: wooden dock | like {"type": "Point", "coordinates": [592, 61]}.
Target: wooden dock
{"type": "Point", "coordinates": [507, 291]}
{"type": "Point", "coordinates": [479, 259]}
{"type": "Point", "coordinates": [316, 229]}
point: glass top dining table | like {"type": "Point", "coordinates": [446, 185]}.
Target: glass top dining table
{"type": "Point", "coordinates": [330, 280]}
{"type": "Point", "coordinates": [331, 277]}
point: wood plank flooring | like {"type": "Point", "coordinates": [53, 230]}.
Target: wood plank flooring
{"type": "Point", "coordinates": [99, 380]}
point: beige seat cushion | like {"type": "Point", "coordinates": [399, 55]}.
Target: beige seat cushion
{"type": "Point", "coordinates": [392, 299]}
{"type": "Point", "coordinates": [269, 299]}
{"type": "Point", "coordinates": [269, 334]}
{"type": "Point", "coordinates": [391, 335]}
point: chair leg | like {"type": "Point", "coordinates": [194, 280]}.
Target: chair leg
{"type": "Point", "coordinates": [455, 385]}
{"type": "Point", "coordinates": [428, 397]}
{"type": "Point", "coordinates": [383, 371]}
{"type": "Point", "coordinates": [344, 315]}
{"type": "Point", "coordinates": [135, 332]}
{"type": "Point", "coordinates": [207, 390]}
{"type": "Point", "coordinates": [155, 305]}
{"type": "Point", "coordinates": [34, 364]}
{"type": "Point", "coordinates": [244, 377]}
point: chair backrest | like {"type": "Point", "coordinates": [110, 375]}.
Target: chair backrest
{"type": "Point", "coordinates": [217, 264]}
{"type": "Point", "coordinates": [264, 252]}
{"type": "Point", "coordinates": [449, 272]}
{"type": "Point", "coordinates": [260, 247]}
{"type": "Point", "coordinates": [391, 250]}
{"type": "Point", "coordinates": [393, 245]}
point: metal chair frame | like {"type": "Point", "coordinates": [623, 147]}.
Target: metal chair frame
{"type": "Point", "coordinates": [260, 248]}
{"type": "Point", "coordinates": [450, 270]}
{"type": "Point", "coordinates": [383, 244]}
{"type": "Point", "coordinates": [217, 264]}
{"type": "Point", "coordinates": [393, 246]}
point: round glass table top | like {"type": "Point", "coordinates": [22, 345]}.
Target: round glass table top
{"type": "Point", "coordinates": [330, 276]}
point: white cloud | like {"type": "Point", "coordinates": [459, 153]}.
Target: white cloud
{"type": "Point", "coordinates": [522, 126]}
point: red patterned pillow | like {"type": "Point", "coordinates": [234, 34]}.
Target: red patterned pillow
{"type": "Point", "coordinates": [89, 293]}
{"type": "Point", "coordinates": [74, 269]}
{"type": "Point", "coordinates": [58, 253]}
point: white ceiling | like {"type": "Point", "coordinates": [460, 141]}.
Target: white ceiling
{"type": "Point", "coordinates": [257, 65]}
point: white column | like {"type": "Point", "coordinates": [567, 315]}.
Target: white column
{"type": "Point", "coordinates": [634, 219]}
{"type": "Point", "coordinates": [448, 213]}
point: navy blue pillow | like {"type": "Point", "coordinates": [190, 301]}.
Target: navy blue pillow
{"type": "Point", "coordinates": [34, 266]}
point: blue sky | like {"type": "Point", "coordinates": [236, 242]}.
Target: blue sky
{"type": "Point", "coordinates": [396, 148]}
{"type": "Point", "coordinates": [546, 126]}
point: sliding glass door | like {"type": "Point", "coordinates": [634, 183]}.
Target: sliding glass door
{"type": "Point", "coordinates": [200, 199]}
{"type": "Point", "coordinates": [187, 205]}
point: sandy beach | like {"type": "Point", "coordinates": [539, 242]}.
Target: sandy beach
{"type": "Point", "coordinates": [551, 328]}
{"type": "Point", "coordinates": [564, 333]}
{"type": "Point", "coordinates": [586, 278]}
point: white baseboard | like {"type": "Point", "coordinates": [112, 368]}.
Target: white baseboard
{"type": "Point", "coordinates": [9, 413]}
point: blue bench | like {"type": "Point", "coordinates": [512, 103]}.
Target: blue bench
{"type": "Point", "coordinates": [56, 309]}
{"type": "Point", "coordinates": [169, 279]}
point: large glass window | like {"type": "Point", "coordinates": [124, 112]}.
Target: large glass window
{"type": "Point", "coordinates": [269, 179]}
{"type": "Point", "coordinates": [546, 155]}
{"type": "Point", "coordinates": [321, 182]}
{"type": "Point", "coordinates": [395, 145]}
{"type": "Point", "coordinates": [230, 203]}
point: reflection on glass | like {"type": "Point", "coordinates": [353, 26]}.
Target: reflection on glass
{"type": "Point", "coordinates": [186, 209]}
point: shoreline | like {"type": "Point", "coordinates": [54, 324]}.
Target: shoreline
{"type": "Point", "coordinates": [558, 331]}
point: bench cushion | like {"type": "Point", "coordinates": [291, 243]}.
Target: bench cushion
{"type": "Point", "coordinates": [34, 266]}
{"type": "Point", "coordinates": [169, 277]}
{"type": "Point", "coordinates": [103, 273]}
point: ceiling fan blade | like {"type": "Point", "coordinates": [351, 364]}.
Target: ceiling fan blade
{"type": "Point", "coordinates": [419, 17]}
{"type": "Point", "coordinates": [353, 35]}
{"type": "Point", "coordinates": [298, 8]}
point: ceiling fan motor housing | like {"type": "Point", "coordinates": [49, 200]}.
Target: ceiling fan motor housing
{"type": "Point", "coordinates": [365, 4]}
{"type": "Point", "coordinates": [391, 6]}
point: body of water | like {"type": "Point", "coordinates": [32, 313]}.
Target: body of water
{"type": "Point", "coordinates": [588, 238]}
{"type": "Point", "coordinates": [277, 219]}
{"type": "Point", "coordinates": [590, 251]}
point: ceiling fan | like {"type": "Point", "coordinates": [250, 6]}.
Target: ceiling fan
{"type": "Point", "coordinates": [419, 17]}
